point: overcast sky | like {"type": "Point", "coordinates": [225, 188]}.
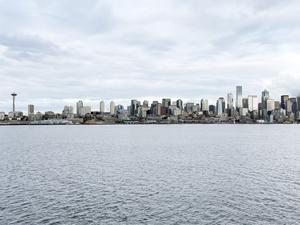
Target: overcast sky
{"type": "Point", "coordinates": [55, 52]}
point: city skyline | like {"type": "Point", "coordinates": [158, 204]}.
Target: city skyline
{"type": "Point", "coordinates": [231, 100]}
{"type": "Point", "coordinates": [54, 51]}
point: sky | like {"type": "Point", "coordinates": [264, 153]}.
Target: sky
{"type": "Point", "coordinates": [56, 52]}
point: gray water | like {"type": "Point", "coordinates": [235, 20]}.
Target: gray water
{"type": "Point", "coordinates": [153, 174]}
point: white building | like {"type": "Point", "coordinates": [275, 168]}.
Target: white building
{"type": "Point", "coordinates": [112, 108]}
{"type": "Point", "coordinates": [84, 110]}
{"type": "Point", "coordinates": [102, 107]}
{"type": "Point", "coordinates": [68, 112]}
{"type": "Point", "coordinates": [270, 105]}
{"type": "Point", "coordinates": [2, 116]}
{"type": "Point", "coordinates": [204, 105]}
{"type": "Point", "coordinates": [253, 103]}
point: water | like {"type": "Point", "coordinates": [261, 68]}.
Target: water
{"type": "Point", "coordinates": [153, 174]}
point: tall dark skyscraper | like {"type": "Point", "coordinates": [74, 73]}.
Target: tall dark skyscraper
{"type": "Point", "coordinates": [284, 99]}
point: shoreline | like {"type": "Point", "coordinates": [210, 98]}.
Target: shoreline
{"type": "Point", "coordinates": [138, 124]}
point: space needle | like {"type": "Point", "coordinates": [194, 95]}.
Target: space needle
{"type": "Point", "coordinates": [14, 101]}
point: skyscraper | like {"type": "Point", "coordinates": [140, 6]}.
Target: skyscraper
{"type": "Point", "coordinates": [102, 107]}
{"type": "Point", "coordinates": [30, 110]}
{"type": "Point", "coordinates": [166, 102]}
{"type": "Point", "coordinates": [284, 99]}
{"type": "Point", "coordinates": [204, 105]}
{"type": "Point", "coordinates": [134, 107]}
{"type": "Point", "coordinates": [220, 106]}
{"type": "Point", "coordinates": [230, 103]}
{"type": "Point", "coordinates": [265, 95]}
{"type": "Point", "coordinates": [79, 105]}
{"type": "Point", "coordinates": [239, 97]}
{"type": "Point", "coordinates": [270, 105]}
{"type": "Point", "coordinates": [298, 103]}
{"type": "Point", "coordinates": [253, 103]}
{"type": "Point", "coordinates": [179, 104]}
{"type": "Point", "coordinates": [112, 108]}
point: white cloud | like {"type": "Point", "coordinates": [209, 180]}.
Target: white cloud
{"type": "Point", "coordinates": [55, 50]}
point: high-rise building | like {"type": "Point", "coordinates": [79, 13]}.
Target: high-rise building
{"type": "Point", "coordinates": [239, 97]}
{"type": "Point", "coordinates": [145, 103]}
{"type": "Point", "coordinates": [230, 103]}
{"type": "Point", "coordinates": [134, 107]}
{"type": "Point", "coordinates": [102, 107]}
{"type": "Point", "coordinates": [298, 103]}
{"type": "Point", "coordinates": [245, 103]}
{"type": "Point", "coordinates": [270, 105]}
{"type": "Point", "coordinates": [179, 104]}
{"type": "Point", "coordinates": [84, 110]}
{"type": "Point", "coordinates": [265, 95]}
{"type": "Point", "coordinates": [220, 106]}
{"type": "Point", "coordinates": [284, 99]}
{"type": "Point", "coordinates": [253, 103]}
{"type": "Point", "coordinates": [204, 105]}
{"type": "Point", "coordinates": [212, 109]}
{"type": "Point", "coordinates": [68, 112]}
{"type": "Point", "coordinates": [112, 108]}
{"type": "Point", "coordinates": [294, 105]}
{"type": "Point", "coordinates": [30, 110]}
{"type": "Point", "coordinates": [189, 107]}
{"type": "Point", "coordinates": [79, 105]}
{"type": "Point", "coordinates": [166, 102]}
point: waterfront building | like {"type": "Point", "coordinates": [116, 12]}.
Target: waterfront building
{"type": "Point", "coordinates": [270, 105]}
{"type": "Point", "coordinates": [189, 107]}
{"type": "Point", "coordinates": [230, 103]}
{"type": "Point", "coordinates": [212, 109]}
{"type": "Point", "coordinates": [119, 109]}
{"type": "Point", "coordinates": [134, 107]}
{"type": "Point", "coordinates": [166, 102]}
{"type": "Point", "coordinates": [179, 104]}
{"type": "Point", "coordinates": [245, 107]}
{"type": "Point", "coordinates": [283, 102]}
{"type": "Point", "coordinates": [38, 116]}
{"type": "Point", "coordinates": [102, 107]}
{"type": "Point", "coordinates": [174, 110]}
{"type": "Point", "coordinates": [30, 110]}
{"type": "Point", "coordinates": [220, 106]}
{"type": "Point", "coordinates": [265, 95]}
{"type": "Point", "coordinates": [79, 105]}
{"type": "Point", "coordinates": [253, 103]}
{"type": "Point", "coordinates": [68, 112]}
{"type": "Point", "coordinates": [2, 116]}
{"type": "Point", "coordinates": [277, 105]}
{"type": "Point", "coordinates": [112, 108]}
{"type": "Point", "coordinates": [155, 108]}
{"type": "Point", "coordinates": [84, 110]}
{"type": "Point", "coordinates": [145, 103]}
{"type": "Point", "coordinates": [204, 105]}
{"type": "Point", "coordinates": [49, 115]}
{"type": "Point", "coordinates": [239, 97]}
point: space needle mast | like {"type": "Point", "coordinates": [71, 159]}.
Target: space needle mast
{"type": "Point", "coordinates": [14, 101]}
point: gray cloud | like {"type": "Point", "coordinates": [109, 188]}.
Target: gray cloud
{"type": "Point", "coordinates": [56, 52]}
